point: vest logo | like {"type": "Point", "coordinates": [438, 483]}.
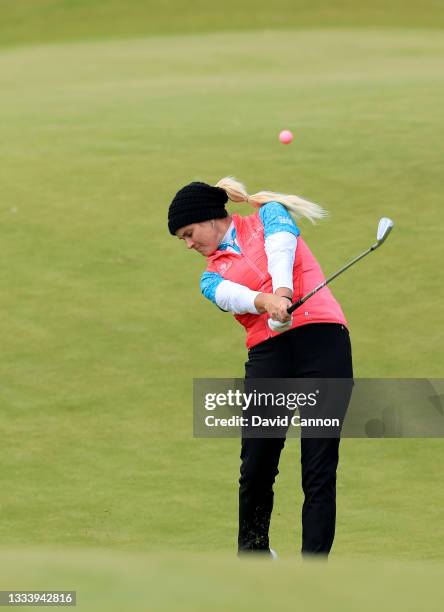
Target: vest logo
{"type": "Point", "coordinates": [254, 235]}
{"type": "Point", "coordinates": [225, 266]}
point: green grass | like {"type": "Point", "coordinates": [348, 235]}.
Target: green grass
{"type": "Point", "coordinates": [103, 325]}
{"type": "Point", "coordinates": [37, 21]}
{"type": "Point", "coordinates": [218, 582]}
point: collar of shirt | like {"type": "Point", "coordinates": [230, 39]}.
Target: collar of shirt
{"type": "Point", "coordinates": [229, 242]}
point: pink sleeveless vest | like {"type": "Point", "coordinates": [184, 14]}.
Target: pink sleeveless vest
{"type": "Point", "coordinates": [250, 268]}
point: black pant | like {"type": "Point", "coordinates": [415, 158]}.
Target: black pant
{"type": "Point", "coordinates": [318, 350]}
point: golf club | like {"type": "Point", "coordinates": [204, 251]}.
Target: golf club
{"type": "Point", "coordinates": [384, 228]}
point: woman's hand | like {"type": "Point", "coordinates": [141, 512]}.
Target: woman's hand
{"type": "Point", "coordinates": [275, 305]}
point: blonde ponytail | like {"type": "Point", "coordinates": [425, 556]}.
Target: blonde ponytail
{"type": "Point", "coordinates": [297, 207]}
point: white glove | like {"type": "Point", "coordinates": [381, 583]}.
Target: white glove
{"type": "Point", "coordinates": [277, 326]}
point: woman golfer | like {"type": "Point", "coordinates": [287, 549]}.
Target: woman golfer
{"type": "Point", "coordinates": [256, 265]}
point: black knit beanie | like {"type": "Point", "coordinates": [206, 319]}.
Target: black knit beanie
{"type": "Point", "coordinates": [194, 203]}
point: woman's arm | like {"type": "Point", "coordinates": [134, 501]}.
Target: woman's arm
{"type": "Point", "coordinates": [227, 295]}
{"type": "Point", "coordinates": [238, 299]}
{"type": "Point", "coordinates": [280, 234]}
{"type": "Point", "coordinates": [281, 251]}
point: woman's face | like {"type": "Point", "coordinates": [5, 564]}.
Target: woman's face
{"type": "Point", "coordinates": [202, 237]}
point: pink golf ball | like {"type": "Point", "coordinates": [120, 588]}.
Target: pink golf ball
{"type": "Point", "coordinates": [285, 136]}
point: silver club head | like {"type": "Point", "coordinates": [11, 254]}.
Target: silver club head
{"type": "Point", "coordinates": [384, 228]}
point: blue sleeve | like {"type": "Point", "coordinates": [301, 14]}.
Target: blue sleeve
{"type": "Point", "coordinates": [209, 282]}
{"type": "Point", "coordinates": [276, 218]}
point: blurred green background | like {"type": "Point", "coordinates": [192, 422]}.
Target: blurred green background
{"type": "Point", "coordinates": [37, 21]}
{"type": "Point", "coordinates": [107, 108]}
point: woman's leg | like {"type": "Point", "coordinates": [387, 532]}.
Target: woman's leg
{"type": "Point", "coordinates": [325, 352]}
{"type": "Point", "coordinates": [319, 460]}
{"type": "Point", "coordinates": [260, 456]}
{"type": "Point", "coordinates": [259, 468]}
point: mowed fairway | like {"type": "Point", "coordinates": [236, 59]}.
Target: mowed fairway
{"type": "Point", "coordinates": [104, 328]}
{"type": "Point", "coordinates": [189, 582]}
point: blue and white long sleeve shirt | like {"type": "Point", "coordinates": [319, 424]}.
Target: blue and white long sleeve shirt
{"type": "Point", "coordinates": [280, 235]}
